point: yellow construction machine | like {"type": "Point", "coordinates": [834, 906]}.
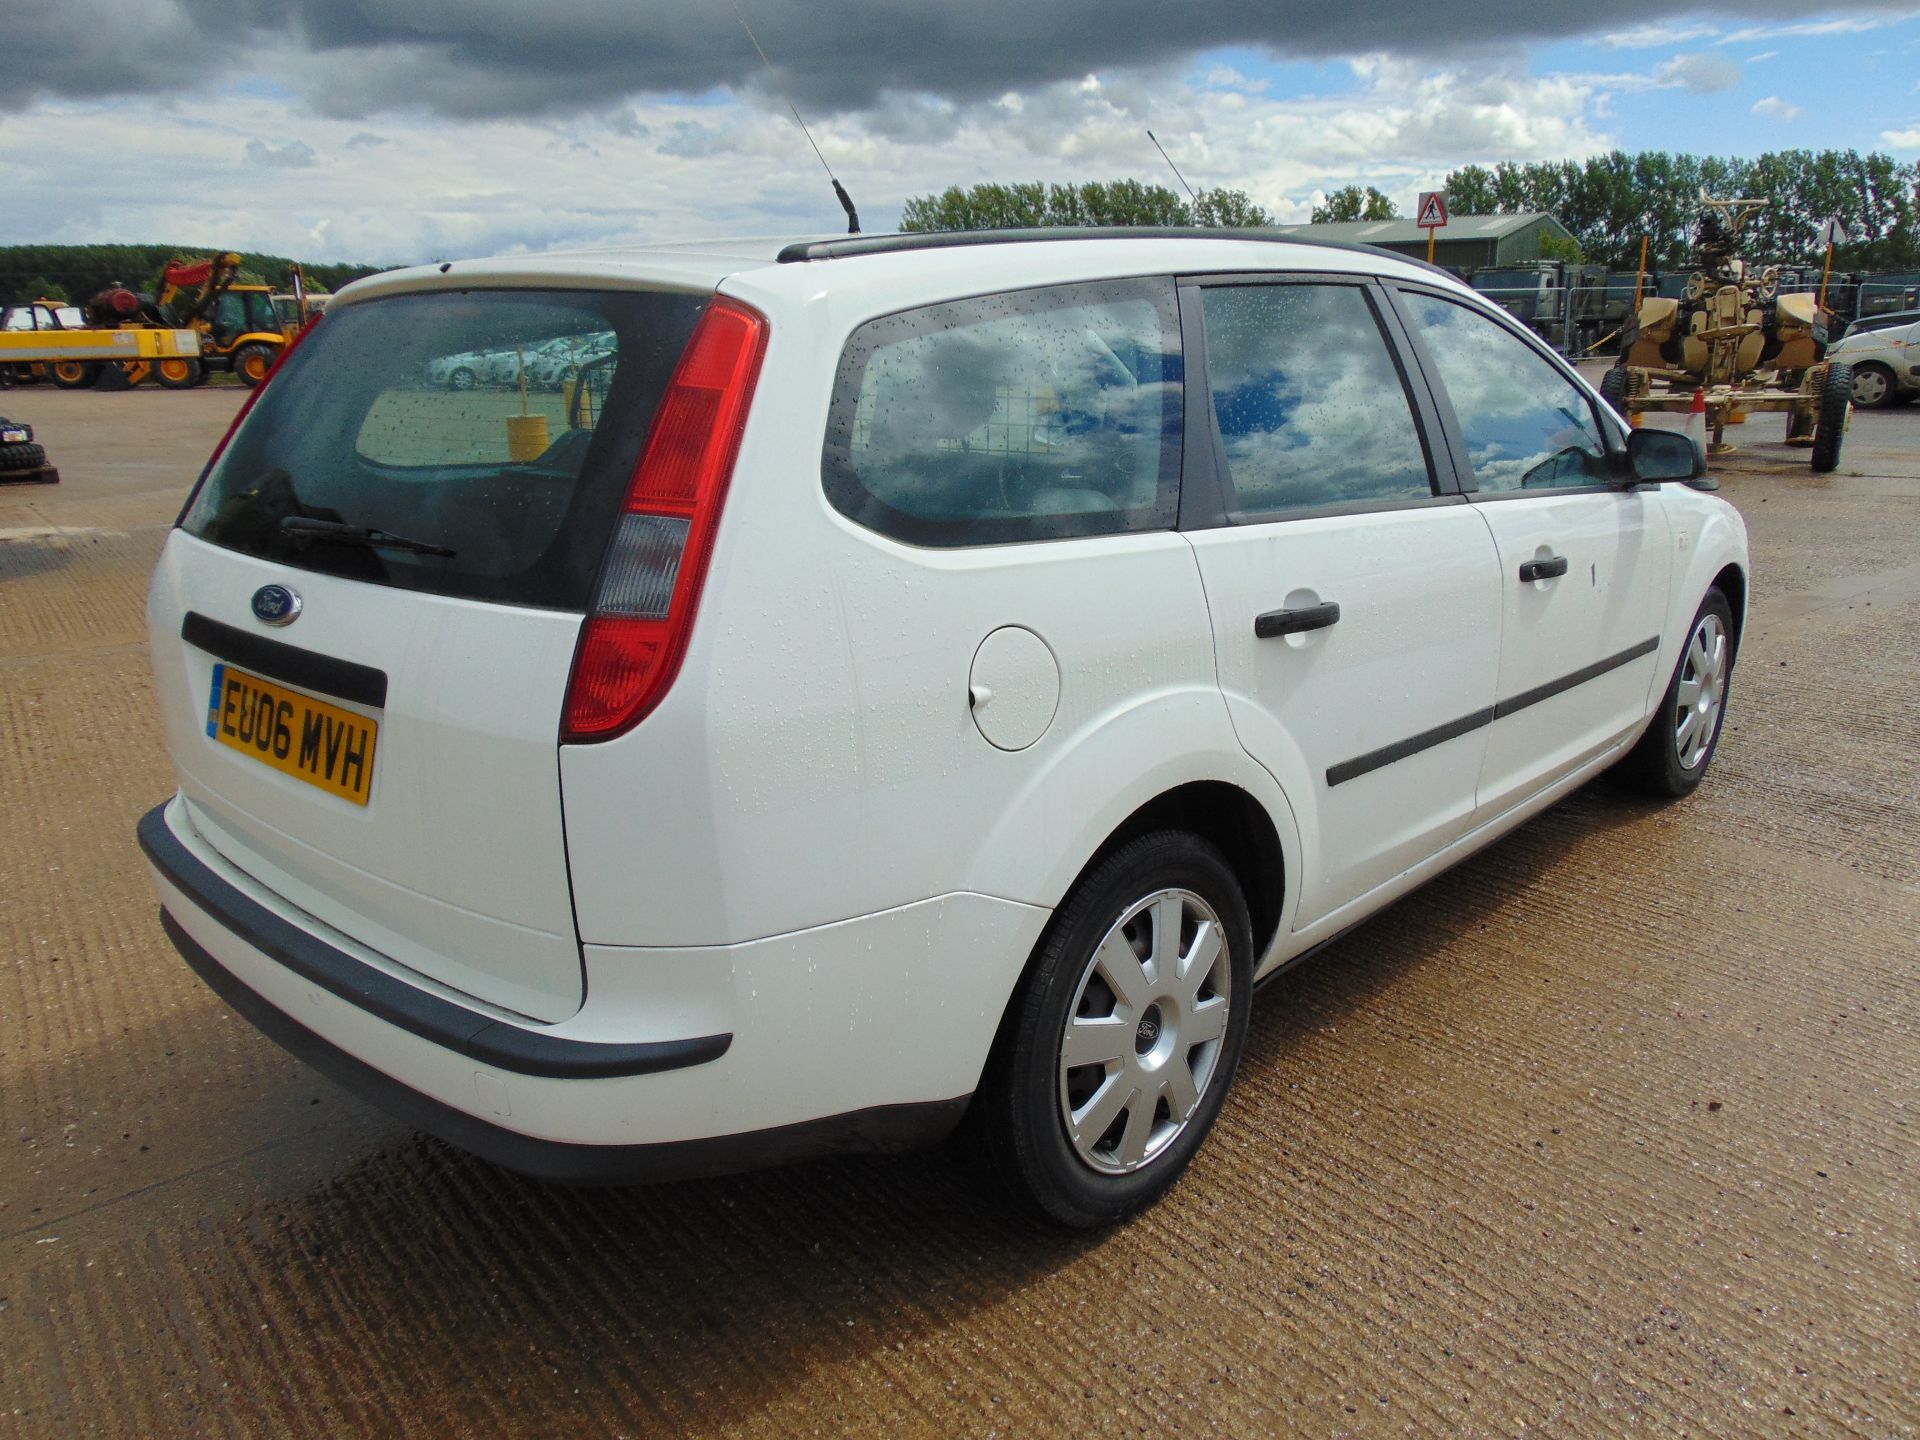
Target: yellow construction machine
{"type": "Point", "coordinates": [239, 327]}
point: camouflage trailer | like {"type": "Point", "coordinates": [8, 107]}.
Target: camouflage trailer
{"type": "Point", "coordinates": [1733, 334]}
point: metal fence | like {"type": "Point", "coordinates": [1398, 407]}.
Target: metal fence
{"type": "Point", "coordinates": [1571, 318]}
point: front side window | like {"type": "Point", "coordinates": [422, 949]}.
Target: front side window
{"type": "Point", "coordinates": [1527, 426]}
{"type": "Point", "coordinates": [1034, 415]}
{"type": "Point", "coordinates": [1309, 403]}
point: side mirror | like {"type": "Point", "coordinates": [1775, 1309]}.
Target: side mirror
{"type": "Point", "coordinates": [1656, 455]}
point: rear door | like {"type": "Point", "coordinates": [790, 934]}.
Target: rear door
{"type": "Point", "coordinates": [1583, 561]}
{"type": "Point", "coordinates": [1354, 597]}
{"type": "Point", "coordinates": [367, 724]}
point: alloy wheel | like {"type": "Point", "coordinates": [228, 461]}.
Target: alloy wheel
{"type": "Point", "coordinates": [1702, 689]}
{"type": "Point", "coordinates": [1143, 1038]}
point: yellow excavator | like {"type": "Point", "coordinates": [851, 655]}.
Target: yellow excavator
{"type": "Point", "coordinates": [238, 324]}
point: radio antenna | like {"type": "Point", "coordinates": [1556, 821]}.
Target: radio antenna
{"type": "Point", "coordinates": [839, 190]}
{"type": "Point", "coordinates": [1173, 167]}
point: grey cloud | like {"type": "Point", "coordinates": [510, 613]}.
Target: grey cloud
{"type": "Point", "coordinates": [693, 142]}
{"type": "Point", "coordinates": [622, 121]}
{"type": "Point", "coordinates": [1703, 74]}
{"type": "Point", "coordinates": [506, 57]}
{"type": "Point", "coordinates": [913, 119]}
{"type": "Point", "coordinates": [294, 155]}
{"type": "Point", "coordinates": [366, 140]}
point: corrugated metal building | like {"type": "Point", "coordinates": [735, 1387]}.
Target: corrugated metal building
{"type": "Point", "coordinates": [1467, 243]}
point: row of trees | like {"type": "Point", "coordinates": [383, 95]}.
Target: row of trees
{"type": "Point", "coordinates": [1608, 202]}
{"type": "Point", "coordinates": [1117, 202]}
{"type": "Point", "coordinates": [73, 272]}
{"type": "Point", "coordinates": [1350, 202]}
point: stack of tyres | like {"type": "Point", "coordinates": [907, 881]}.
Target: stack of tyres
{"type": "Point", "coordinates": [21, 460]}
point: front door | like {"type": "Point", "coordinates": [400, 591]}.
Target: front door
{"type": "Point", "coordinates": [1355, 604]}
{"type": "Point", "coordinates": [1583, 561]}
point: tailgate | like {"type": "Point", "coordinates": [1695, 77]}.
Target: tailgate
{"type": "Point", "coordinates": [455, 864]}
{"type": "Point", "coordinates": [364, 626]}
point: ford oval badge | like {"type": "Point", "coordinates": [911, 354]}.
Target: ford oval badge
{"type": "Point", "coordinates": [275, 605]}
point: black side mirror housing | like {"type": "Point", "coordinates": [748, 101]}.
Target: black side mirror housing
{"type": "Point", "coordinates": [1657, 455]}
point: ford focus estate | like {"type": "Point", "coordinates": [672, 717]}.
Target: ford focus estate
{"type": "Point", "coordinates": [894, 679]}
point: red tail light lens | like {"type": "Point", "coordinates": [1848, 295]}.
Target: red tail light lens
{"type": "Point", "coordinates": [632, 643]}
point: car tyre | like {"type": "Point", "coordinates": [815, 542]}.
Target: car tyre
{"type": "Point", "coordinates": [462, 379]}
{"type": "Point", "coordinates": [1672, 757]}
{"type": "Point", "coordinates": [1873, 386]}
{"type": "Point", "coordinates": [1830, 418]}
{"type": "Point", "coordinates": [1146, 971]}
{"type": "Point", "coordinates": [73, 374]}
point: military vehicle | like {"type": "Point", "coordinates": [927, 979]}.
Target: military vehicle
{"type": "Point", "coordinates": [1548, 295]}
{"type": "Point", "coordinates": [1732, 334]}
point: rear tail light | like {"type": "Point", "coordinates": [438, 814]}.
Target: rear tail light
{"type": "Point", "coordinates": [636, 634]}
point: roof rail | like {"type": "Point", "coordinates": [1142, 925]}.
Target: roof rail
{"type": "Point", "coordinates": [850, 246]}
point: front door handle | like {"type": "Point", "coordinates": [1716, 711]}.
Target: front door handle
{"type": "Point", "coordinates": [1543, 569]}
{"type": "Point", "coordinates": [1293, 622]}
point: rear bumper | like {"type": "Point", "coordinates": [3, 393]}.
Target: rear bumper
{"type": "Point", "coordinates": [520, 1049]}
{"type": "Point", "coordinates": [886, 1127]}
{"type": "Point", "coordinates": [681, 1063]}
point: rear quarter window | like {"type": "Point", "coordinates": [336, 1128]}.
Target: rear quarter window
{"type": "Point", "coordinates": [1032, 415]}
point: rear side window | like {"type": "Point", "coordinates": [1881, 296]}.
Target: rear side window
{"type": "Point", "coordinates": [501, 425]}
{"type": "Point", "coordinates": [1034, 415]}
{"type": "Point", "coordinates": [1310, 405]}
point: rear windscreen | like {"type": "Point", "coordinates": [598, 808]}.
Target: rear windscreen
{"type": "Point", "coordinates": [502, 426]}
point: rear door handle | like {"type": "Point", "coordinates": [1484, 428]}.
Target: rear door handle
{"type": "Point", "coordinates": [1292, 622]}
{"type": "Point", "coordinates": [1543, 569]}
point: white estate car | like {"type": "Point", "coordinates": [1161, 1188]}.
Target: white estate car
{"type": "Point", "coordinates": [931, 672]}
{"type": "Point", "coordinates": [1885, 355]}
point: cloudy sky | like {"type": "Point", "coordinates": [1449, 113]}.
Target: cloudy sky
{"type": "Point", "coordinates": [390, 131]}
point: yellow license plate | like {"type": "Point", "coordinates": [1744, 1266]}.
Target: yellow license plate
{"type": "Point", "coordinates": [294, 733]}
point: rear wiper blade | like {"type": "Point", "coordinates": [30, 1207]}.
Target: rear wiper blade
{"type": "Point", "coordinates": [337, 532]}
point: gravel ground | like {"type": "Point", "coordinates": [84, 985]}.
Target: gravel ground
{"type": "Point", "coordinates": [1609, 1130]}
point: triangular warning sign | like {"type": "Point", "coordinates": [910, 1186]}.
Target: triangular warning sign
{"type": "Point", "coordinates": [1433, 210]}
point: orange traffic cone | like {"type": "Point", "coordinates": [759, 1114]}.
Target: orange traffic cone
{"type": "Point", "coordinates": [1697, 424]}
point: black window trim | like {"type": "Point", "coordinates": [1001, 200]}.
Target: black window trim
{"type": "Point", "coordinates": [1469, 482]}
{"type": "Point", "coordinates": [1206, 488]}
{"type": "Point", "coordinates": [850, 499]}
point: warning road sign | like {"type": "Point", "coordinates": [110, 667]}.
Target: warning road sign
{"type": "Point", "coordinates": [1432, 211]}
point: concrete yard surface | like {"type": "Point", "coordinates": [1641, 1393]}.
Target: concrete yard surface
{"type": "Point", "coordinates": [1611, 1130]}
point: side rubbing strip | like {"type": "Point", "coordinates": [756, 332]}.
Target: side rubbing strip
{"type": "Point", "coordinates": [1374, 759]}
{"type": "Point", "coordinates": [1386, 755]}
{"type": "Point", "coordinates": [1578, 677]}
